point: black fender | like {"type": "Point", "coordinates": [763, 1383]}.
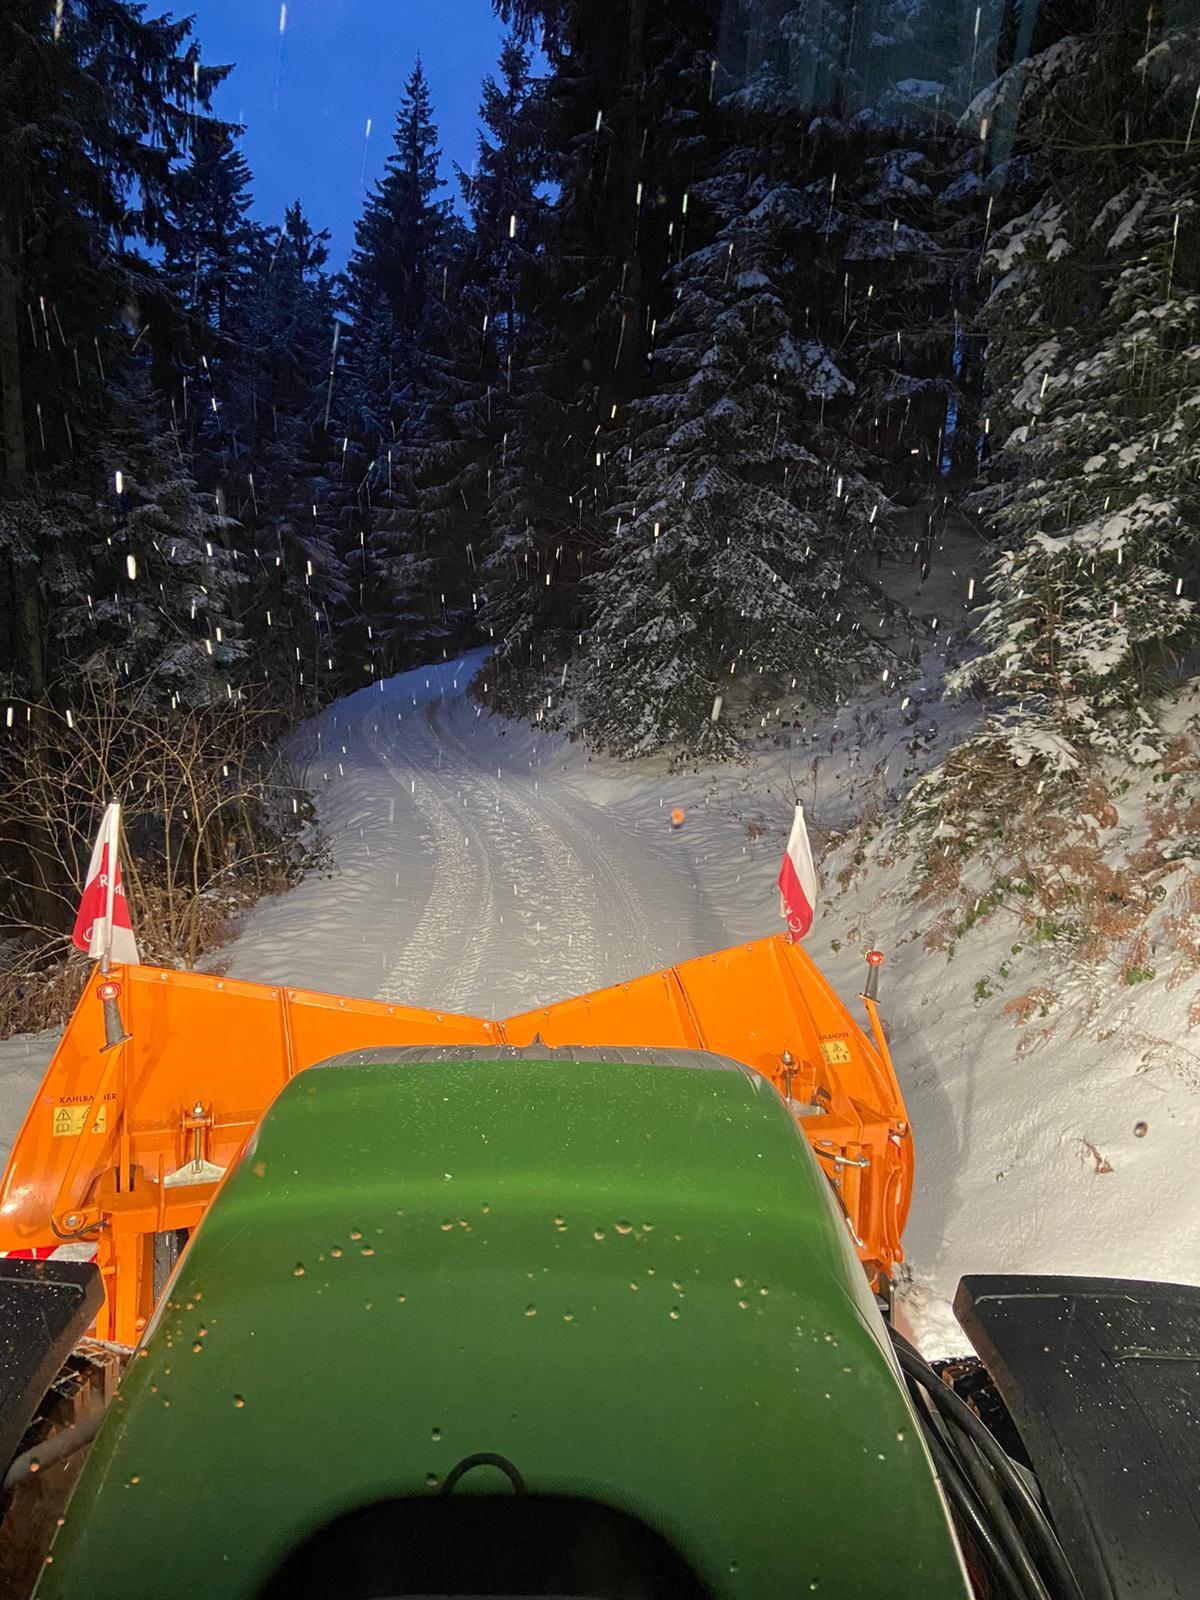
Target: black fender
{"type": "Point", "coordinates": [45, 1309]}
{"type": "Point", "coordinates": [1101, 1377]}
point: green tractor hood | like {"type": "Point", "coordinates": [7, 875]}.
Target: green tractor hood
{"type": "Point", "coordinates": [620, 1275]}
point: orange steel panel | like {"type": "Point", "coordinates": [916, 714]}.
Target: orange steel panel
{"type": "Point", "coordinates": [760, 1003]}
{"type": "Point", "coordinates": [105, 1128]}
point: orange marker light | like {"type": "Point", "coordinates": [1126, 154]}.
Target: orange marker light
{"type": "Point", "coordinates": [677, 816]}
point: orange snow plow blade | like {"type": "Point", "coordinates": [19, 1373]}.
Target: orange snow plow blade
{"type": "Point", "coordinates": [123, 1147]}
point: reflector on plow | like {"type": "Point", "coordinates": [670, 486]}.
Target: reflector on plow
{"type": "Point", "coordinates": [125, 1143]}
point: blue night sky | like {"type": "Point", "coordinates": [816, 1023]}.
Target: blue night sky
{"type": "Point", "coordinates": [304, 94]}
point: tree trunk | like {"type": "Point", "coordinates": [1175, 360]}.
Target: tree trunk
{"type": "Point", "coordinates": [615, 384]}
{"type": "Point", "coordinates": [26, 619]}
{"type": "Point", "coordinates": [44, 908]}
{"type": "Point", "coordinates": [635, 73]}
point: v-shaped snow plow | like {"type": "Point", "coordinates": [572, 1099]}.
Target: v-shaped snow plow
{"type": "Point", "coordinates": [574, 1303]}
{"type": "Point", "coordinates": [129, 1137]}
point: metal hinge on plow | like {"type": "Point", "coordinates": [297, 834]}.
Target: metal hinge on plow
{"type": "Point", "coordinates": [199, 1169]}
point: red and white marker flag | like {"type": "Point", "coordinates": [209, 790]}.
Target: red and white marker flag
{"type": "Point", "coordinates": [102, 926]}
{"type": "Point", "coordinates": [798, 881]}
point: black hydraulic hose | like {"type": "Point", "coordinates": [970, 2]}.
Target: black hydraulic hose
{"type": "Point", "coordinates": [91, 1232]}
{"type": "Point", "coordinates": [930, 1416]}
{"type": "Point", "coordinates": [945, 1449]}
{"type": "Point", "coordinates": [56, 1448]}
{"type": "Point", "coordinates": [968, 1455]}
{"type": "Point", "coordinates": [965, 1503]}
{"type": "Point", "coordinates": [958, 1415]}
{"type": "Point", "coordinates": [956, 1410]}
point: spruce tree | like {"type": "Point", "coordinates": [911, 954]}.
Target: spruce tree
{"type": "Point", "coordinates": [273, 461]}
{"type": "Point", "coordinates": [143, 582]}
{"type": "Point", "coordinates": [399, 292]}
{"type": "Point", "coordinates": [806, 356]}
{"type": "Point", "coordinates": [499, 411]}
{"type": "Point", "coordinates": [727, 560]}
{"type": "Point", "coordinates": [213, 245]}
{"type": "Point", "coordinates": [1092, 321]}
{"type": "Point", "coordinates": [399, 240]}
{"type": "Point", "coordinates": [249, 390]}
{"type": "Point", "coordinates": [97, 104]}
{"type": "Point", "coordinates": [611, 114]}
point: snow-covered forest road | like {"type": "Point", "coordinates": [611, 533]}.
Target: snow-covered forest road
{"type": "Point", "coordinates": [478, 866]}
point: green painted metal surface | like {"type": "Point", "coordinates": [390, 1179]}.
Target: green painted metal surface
{"type": "Point", "coordinates": [630, 1280]}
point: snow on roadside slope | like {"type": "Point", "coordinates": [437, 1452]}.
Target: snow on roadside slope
{"type": "Point", "coordinates": [1064, 1145]}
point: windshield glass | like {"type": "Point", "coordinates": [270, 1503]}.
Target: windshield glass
{"type": "Point", "coordinates": [499, 498]}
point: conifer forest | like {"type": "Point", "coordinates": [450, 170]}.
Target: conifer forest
{"type": "Point", "coordinates": [740, 304]}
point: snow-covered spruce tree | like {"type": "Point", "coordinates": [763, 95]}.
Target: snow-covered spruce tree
{"type": "Point", "coordinates": [729, 557]}
{"type": "Point", "coordinates": [451, 452]}
{"type": "Point", "coordinates": [97, 103]}
{"type": "Point", "coordinates": [357, 421]}
{"type": "Point", "coordinates": [420, 539]}
{"type": "Point", "coordinates": [478, 362]}
{"type": "Point", "coordinates": [142, 581]}
{"type": "Point", "coordinates": [621, 80]}
{"type": "Point", "coordinates": [1092, 359]}
{"type": "Point", "coordinates": [890, 255]}
{"type": "Point", "coordinates": [399, 298]}
{"type": "Point", "coordinates": [248, 388]}
{"type": "Point", "coordinates": [530, 473]}
{"type": "Point", "coordinates": [804, 375]}
{"type": "Point", "coordinates": [273, 460]}
{"type": "Point", "coordinates": [542, 522]}
{"type": "Point", "coordinates": [839, 56]}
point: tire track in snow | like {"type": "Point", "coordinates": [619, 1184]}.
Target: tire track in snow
{"type": "Point", "coordinates": [543, 870]}
{"type": "Point", "coordinates": [602, 874]}
{"type": "Point", "coordinates": [475, 850]}
{"type": "Point", "coordinates": [440, 959]}
{"type": "Point", "coordinates": [624, 868]}
{"type": "Point", "coordinates": [534, 860]}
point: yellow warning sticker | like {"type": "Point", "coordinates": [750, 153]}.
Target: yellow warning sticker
{"type": "Point", "coordinates": [69, 1120]}
{"type": "Point", "coordinates": [836, 1052]}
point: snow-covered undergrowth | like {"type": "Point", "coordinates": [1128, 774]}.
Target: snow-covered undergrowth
{"type": "Point", "coordinates": [1043, 996]}
{"type": "Point", "coordinates": [1051, 1069]}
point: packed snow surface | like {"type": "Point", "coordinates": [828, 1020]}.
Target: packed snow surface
{"type": "Point", "coordinates": [481, 865]}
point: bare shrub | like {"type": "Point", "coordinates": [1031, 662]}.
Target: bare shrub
{"type": "Point", "coordinates": [1024, 1007]}
{"type": "Point", "coordinates": [1041, 849]}
{"type": "Point", "coordinates": [213, 818]}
